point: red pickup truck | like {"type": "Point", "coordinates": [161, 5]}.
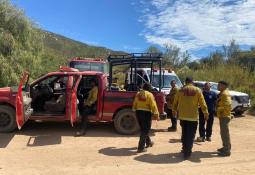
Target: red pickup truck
{"type": "Point", "coordinates": [56, 96]}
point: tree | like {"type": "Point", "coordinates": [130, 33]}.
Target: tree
{"type": "Point", "coordinates": [153, 49]}
{"type": "Point", "coordinates": [185, 59]}
{"type": "Point", "coordinates": [20, 45]}
{"type": "Point", "coordinates": [231, 51]}
{"type": "Point", "coordinates": [174, 57]}
{"type": "Point", "coordinates": [217, 58]}
{"type": "Point", "coordinates": [194, 65]}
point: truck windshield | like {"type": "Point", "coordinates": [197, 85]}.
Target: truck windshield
{"type": "Point", "coordinates": [89, 66]}
{"type": "Point", "coordinates": [167, 80]}
{"type": "Point", "coordinates": [214, 86]}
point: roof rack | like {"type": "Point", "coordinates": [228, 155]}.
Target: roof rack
{"type": "Point", "coordinates": [135, 55]}
{"type": "Point", "coordinates": [135, 60]}
{"type": "Point", "coordinates": [88, 58]}
{"type": "Point", "coordinates": [138, 58]}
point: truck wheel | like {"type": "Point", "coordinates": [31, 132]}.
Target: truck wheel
{"type": "Point", "coordinates": [238, 113]}
{"type": "Point", "coordinates": [125, 122]}
{"type": "Point", "coordinates": [7, 119]}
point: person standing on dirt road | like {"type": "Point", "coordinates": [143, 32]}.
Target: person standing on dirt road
{"type": "Point", "coordinates": [223, 110]}
{"type": "Point", "coordinates": [146, 108]}
{"type": "Point", "coordinates": [88, 107]}
{"type": "Point", "coordinates": [210, 99]}
{"type": "Point", "coordinates": [170, 99]}
{"type": "Point", "coordinates": [186, 103]}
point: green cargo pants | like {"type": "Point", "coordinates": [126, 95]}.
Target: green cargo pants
{"type": "Point", "coordinates": [224, 132]}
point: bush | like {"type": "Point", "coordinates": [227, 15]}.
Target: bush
{"type": "Point", "coordinates": [20, 45]}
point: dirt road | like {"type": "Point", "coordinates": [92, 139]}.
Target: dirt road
{"type": "Point", "coordinates": [50, 148]}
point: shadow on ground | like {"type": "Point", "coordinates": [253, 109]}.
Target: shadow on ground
{"type": "Point", "coordinates": [50, 133]}
{"type": "Point", "coordinates": [158, 130]}
{"type": "Point", "coordinates": [173, 158]}
{"type": "Point", "coordinates": [175, 141]}
{"type": "Point", "coordinates": [113, 151]}
{"type": "Point", "coordinates": [5, 139]}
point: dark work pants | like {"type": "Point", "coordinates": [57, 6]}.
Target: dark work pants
{"type": "Point", "coordinates": [172, 118]}
{"type": "Point", "coordinates": [188, 134]}
{"type": "Point", "coordinates": [85, 112]}
{"type": "Point", "coordinates": [144, 120]}
{"type": "Point", "coordinates": [205, 132]}
{"type": "Point", "coordinates": [224, 133]}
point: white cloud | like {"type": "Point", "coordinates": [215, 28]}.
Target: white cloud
{"type": "Point", "coordinates": [131, 48]}
{"type": "Point", "coordinates": [194, 24]}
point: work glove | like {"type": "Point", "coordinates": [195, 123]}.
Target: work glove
{"type": "Point", "coordinates": [206, 116]}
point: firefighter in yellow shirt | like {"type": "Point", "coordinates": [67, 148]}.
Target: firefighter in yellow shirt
{"type": "Point", "coordinates": [170, 100]}
{"type": "Point", "coordinates": [223, 112]}
{"type": "Point", "coordinates": [88, 107]}
{"type": "Point", "coordinates": [186, 103]}
{"type": "Point", "coordinates": [146, 108]}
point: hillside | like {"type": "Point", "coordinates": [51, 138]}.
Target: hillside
{"type": "Point", "coordinates": [59, 49]}
{"type": "Point", "coordinates": [66, 47]}
{"type": "Point", "coordinates": [23, 46]}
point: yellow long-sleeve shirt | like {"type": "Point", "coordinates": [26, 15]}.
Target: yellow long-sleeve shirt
{"type": "Point", "coordinates": [187, 101]}
{"type": "Point", "coordinates": [170, 97]}
{"type": "Point", "coordinates": [145, 101]}
{"type": "Point", "coordinates": [92, 97]}
{"type": "Point", "coordinates": [223, 107]}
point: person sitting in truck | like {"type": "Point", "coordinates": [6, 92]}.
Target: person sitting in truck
{"type": "Point", "coordinates": [88, 107]}
{"type": "Point", "coordinates": [115, 86]}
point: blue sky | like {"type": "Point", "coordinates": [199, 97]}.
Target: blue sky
{"type": "Point", "coordinates": [199, 26]}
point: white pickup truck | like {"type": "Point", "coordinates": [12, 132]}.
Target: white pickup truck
{"type": "Point", "coordinates": [240, 101]}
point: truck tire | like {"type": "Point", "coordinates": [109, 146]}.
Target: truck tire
{"type": "Point", "coordinates": [7, 119]}
{"type": "Point", "coordinates": [238, 113]}
{"type": "Point", "coordinates": [125, 122]}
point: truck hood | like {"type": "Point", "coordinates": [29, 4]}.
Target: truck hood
{"type": "Point", "coordinates": [5, 91]}
{"type": "Point", "coordinates": [236, 93]}
{"type": "Point", "coordinates": [233, 93]}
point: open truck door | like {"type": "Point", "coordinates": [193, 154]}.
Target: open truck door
{"type": "Point", "coordinates": [23, 102]}
{"type": "Point", "coordinates": [73, 101]}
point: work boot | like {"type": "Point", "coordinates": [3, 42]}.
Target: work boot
{"type": "Point", "coordinates": [200, 139]}
{"type": "Point", "coordinates": [186, 155]}
{"type": "Point", "coordinates": [141, 150]}
{"type": "Point", "coordinates": [221, 150]}
{"type": "Point", "coordinates": [149, 144]}
{"type": "Point", "coordinates": [141, 144]}
{"type": "Point", "coordinates": [209, 139]}
{"type": "Point", "coordinates": [80, 133]}
{"type": "Point", "coordinates": [172, 129]}
{"type": "Point", "coordinates": [224, 154]}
